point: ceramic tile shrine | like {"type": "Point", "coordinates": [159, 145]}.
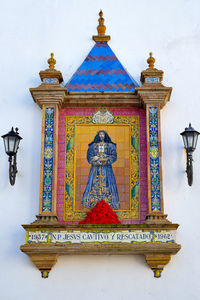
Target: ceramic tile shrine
{"type": "Point", "coordinates": [101, 171]}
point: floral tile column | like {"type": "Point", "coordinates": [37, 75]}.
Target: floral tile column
{"type": "Point", "coordinates": [154, 95]}
{"type": "Point", "coordinates": [49, 96]}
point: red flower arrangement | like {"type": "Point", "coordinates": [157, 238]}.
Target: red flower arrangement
{"type": "Point", "coordinates": [101, 213]}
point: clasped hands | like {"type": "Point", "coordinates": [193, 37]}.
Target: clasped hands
{"type": "Point", "coordinates": [100, 160]}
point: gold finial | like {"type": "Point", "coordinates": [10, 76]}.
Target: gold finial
{"type": "Point", "coordinates": [151, 75]}
{"type": "Point", "coordinates": [51, 72]}
{"type": "Point", "coordinates": [151, 60]}
{"type": "Point", "coordinates": [101, 28]}
{"type": "Point", "coordinates": [51, 61]}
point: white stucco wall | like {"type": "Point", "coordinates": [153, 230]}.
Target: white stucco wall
{"type": "Point", "coordinates": [29, 31]}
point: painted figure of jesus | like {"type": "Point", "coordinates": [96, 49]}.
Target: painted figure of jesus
{"type": "Point", "coordinates": [101, 183]}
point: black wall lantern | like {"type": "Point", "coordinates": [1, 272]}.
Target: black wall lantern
{"type": "Point", "coordinates": [11, 144]}
{"type": "Point", "coordinates": [190, 137]}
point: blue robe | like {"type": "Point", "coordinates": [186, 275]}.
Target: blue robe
{"type": "Point", "coordinates": [101, 183]}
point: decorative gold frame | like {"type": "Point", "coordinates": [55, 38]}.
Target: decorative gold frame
{"type": "Point", "coordinates": [71, 121]}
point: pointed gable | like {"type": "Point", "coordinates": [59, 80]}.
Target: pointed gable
{"type": "Point", "coordinates": [101, 71]}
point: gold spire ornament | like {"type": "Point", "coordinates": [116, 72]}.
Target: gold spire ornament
{"type": "Point", "coordinates": [151, 75]}
{"type": "Point", "coordinates": [51, 75]}
{"type": "Point", "coordinates": [151, 60]}
{"type": "Point", "coordinates": [101, 29]}
{"type": "Point", "coordinates": [51, 61]}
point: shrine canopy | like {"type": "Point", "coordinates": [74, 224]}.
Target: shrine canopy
{"type": "Point", "coordinates": [101, 70]}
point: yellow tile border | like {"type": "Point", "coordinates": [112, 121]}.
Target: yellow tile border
{"type": "Point", "coordinates": [70, 214]}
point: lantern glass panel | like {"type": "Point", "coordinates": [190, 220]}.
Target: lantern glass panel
{"type": "Point", "coordinates": [5, 139]}
{"type": "Point", "coordinates": [17, 140]}
{"type": "Point", "coordinates": [190, 139]}
{"type": "Point", "coordinates": [184, 140]}
{"type": "Point", "coordinates": [11, 144]}
{"type": "Point", "coordinates": [196, 134]}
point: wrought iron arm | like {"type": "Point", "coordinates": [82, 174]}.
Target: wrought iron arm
{"type": "Point", "coordinates": [12, 169]}
{"type": "Point", "coordinates": [189, 169]}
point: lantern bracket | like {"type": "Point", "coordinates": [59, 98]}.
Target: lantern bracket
{"type": "Point", "coordinates": [189, 168]}
{"type": "Point", "coordinates": [12, 168]}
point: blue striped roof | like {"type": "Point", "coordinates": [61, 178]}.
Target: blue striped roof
{"type": "Point", "coordinates": [101, 71]}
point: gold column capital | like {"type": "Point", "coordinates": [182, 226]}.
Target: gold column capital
{"type": "Point", "coordinates": [48, 95]}
{"type": "Point", "coordinates": [153, 94]}
{"type": "Point", "coordinates": [49, 92]}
